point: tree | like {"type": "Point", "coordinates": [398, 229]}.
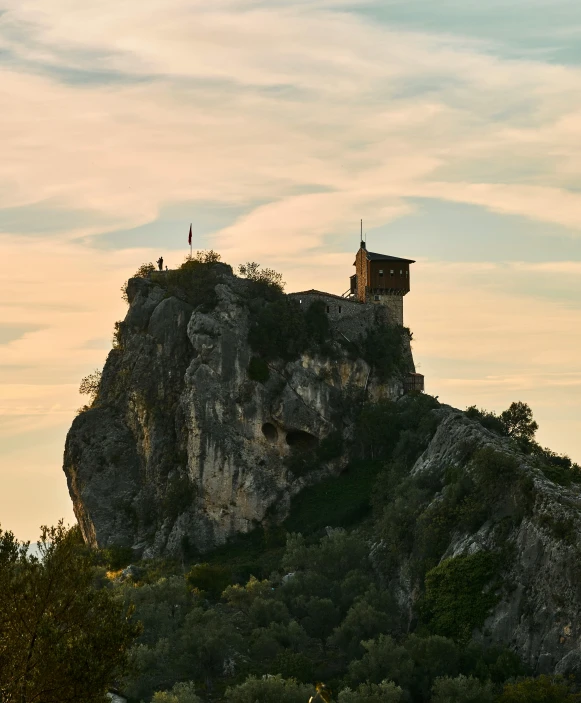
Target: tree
{"type": "Point", "coordinates": [90, 384]}
{"type": "Point", "coordinates": [518, 421]}
{"type": "Point", "coordinates": [62, 640]}
{"type": "Point", "coordinates": [269, 689]}
{"type": "Point", "coordinates": [142, 272]}
{"type": "Point", "coordinates": [204, 257]}
{"type": "Point", "coordinates": [543, 689]}
{"type": "Point", "coordinates": [383, 659]}
{"type": "Point", "coordinates": [385, 692]}
{"type": "Point", "coordinates": [180, 693]}
{"type": "Point", "coordinates": [265, 276]}
{"type": "Point", "coordinates": [462, 689]}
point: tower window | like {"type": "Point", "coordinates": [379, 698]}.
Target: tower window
{"type": "Point", "coordinates": [328, 309]}
{"type": "Point", "coordinates": [339, 308]}
{"type": "Point", "coordinates": [391, 272]}
{"type": "Point", "coordinates": [381, 272]}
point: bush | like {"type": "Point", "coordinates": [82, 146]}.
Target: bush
{"type": "Point", "coordinates": [460, 593]}
{"type": "Point", "coordinates": [194, 281]}
{"type": "Point", "coordinates": [383, 659]}
{"type": "Point", "coordinates": [385, 692]}
{"type": "Point", "coordinates": [142, 272]}
{"type": "Point", "coordinates": [383, 349]}
{"type": "Point", "coordinates": [279, 331]}
{"type": "Point", "coordinates": [263, 278]}
{"type": "Point", "coordinates": [489, 420]}
{"type": "Point", "coordinates": [462, 689]}
{"type": "Point", "coordinates": [90, 384]}
{"type": "Point", "coordinates": [543, 689]}
{"type": "Point", "coordinates": [258, 370]}
{"type": "Point", "coordinates": [118, 557]}
{"type": "Point", "coordinates": [210, 578]}
{"type": "Point", "coordinates": [180, 693]}
{"type": "Point", "coordinates": [270, 689]}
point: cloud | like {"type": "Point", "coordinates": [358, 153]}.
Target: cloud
{"type": "Point", "coordinates": [244, 102]}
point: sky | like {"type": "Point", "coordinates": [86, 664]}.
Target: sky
{"type": "Point", "coordinates": [453, 128]}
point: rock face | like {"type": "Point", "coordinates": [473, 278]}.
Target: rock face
{"type": "Point", "coordinates": [539, 608]}
{"type": "Point", "coordinates": [181, 448]}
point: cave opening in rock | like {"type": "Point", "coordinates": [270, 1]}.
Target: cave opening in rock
{"type": "Point", "coordinates": [298, 439]}
{"type": "Point", "coordinates": [270, 431]}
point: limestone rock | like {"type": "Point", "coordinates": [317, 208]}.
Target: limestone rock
{"type": "Point", "coordinates": [539, 610]}
{"type": "Point", "coordinates": [182, 449]}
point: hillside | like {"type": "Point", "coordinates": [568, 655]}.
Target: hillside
{"type": "Point", "coordinates": [397, 540]}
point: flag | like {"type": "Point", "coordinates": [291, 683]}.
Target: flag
{"type": "Point", "coordinates": [190, 236]}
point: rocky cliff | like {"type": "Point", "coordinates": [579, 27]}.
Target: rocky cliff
{"type": "Point", "coordinates": [181, 448]}
{"type": "Point", "coordinates": [481, 495]}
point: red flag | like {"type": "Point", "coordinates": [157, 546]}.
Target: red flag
{"type": "Point", "coordinates": [190, 236]}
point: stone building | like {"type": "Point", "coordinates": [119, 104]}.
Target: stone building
{"type": "Point", "coordinates": [381, 279]}
{"type": "Point", "coordinates": [375, 295]}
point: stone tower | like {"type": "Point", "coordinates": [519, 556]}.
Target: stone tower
{"type": "Point", "coordinates": [382, 280]}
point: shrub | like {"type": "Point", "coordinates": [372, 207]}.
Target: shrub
{"type": "Point", "coordinates": [180, 693]}
{"type": "Point", "coordinates": [383, 349]}
{"type": "Point", "coordinates": [194, 281]}
{"type": "Point", "coordinates": [210, 578]}
{"type": "Point", "coordinates": [383, 659]}
{"type": "Point", "coordinates": [142, 272]}
{"type": "Point", "coordinates": [205, 256]}
{"type": "Point", "coordinates": [317, 320]}
{"type": "Point", "coordinates": [543, 689]}
{"type": "Point", "coordinates": [279, 330]}
{"type": "Point", "coordinates": [489, 420]}
{"type": "Point", "coordinates": [270, 689]}
{"type": "Point", "coordinates": [117, 340]}
{"type": "Point", "coordinates": [462, 689]}
{"type": "Point", "coordinates": [264, 278]}
{"type": "Point", "coordinates": [258, 370]}
{"type": "Point", "coordinates": [90, 384]}
{"type": "Point", "coordinates": [385, 692]}
{"type": "Point", "coordinates": [460, 593]}
{"type": "Point", "coordinates": [118, 557]}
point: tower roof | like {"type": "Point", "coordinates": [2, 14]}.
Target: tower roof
{"type": "Point", "coordinates": [371, 256]}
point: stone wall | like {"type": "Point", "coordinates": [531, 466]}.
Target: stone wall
{"type": "Point", "coordinates": [394, 305]}
{"type": "Point", "coordinates": [351, 318]}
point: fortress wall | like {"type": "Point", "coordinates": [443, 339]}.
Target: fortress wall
{"type": "Point", "coordinates": [350, 317]}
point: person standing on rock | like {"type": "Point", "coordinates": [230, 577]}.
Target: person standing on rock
{"type": "Point", "coordinates": [160, 263]}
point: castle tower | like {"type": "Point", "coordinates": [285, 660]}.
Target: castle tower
{"type": "Point", "coordinates": [382, 280]}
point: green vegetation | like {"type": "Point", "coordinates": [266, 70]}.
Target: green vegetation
{"type": "Point", "coordinates": [460, 593]}
{"type": "Point", "coordinates": [264, 280]}
{"type": "Point", "coordinates": [194, 281]}
{"type": "Point", "coordinates": [383, 347]}
{"type": "Point", "coordinates": [90, 384]}
{"type": "Point", "coordinates": [258, 370]}
{"type": "Point", "coordinates": [517, 422]}
{"type": "Point", "coordinates": [142, 272]}
{"type": "Point", "coordinates": [543, 689]}
{"type": "Point", "coordinates": [281, 330]}
{"type": "Point", "coordinates": [61, 639]}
